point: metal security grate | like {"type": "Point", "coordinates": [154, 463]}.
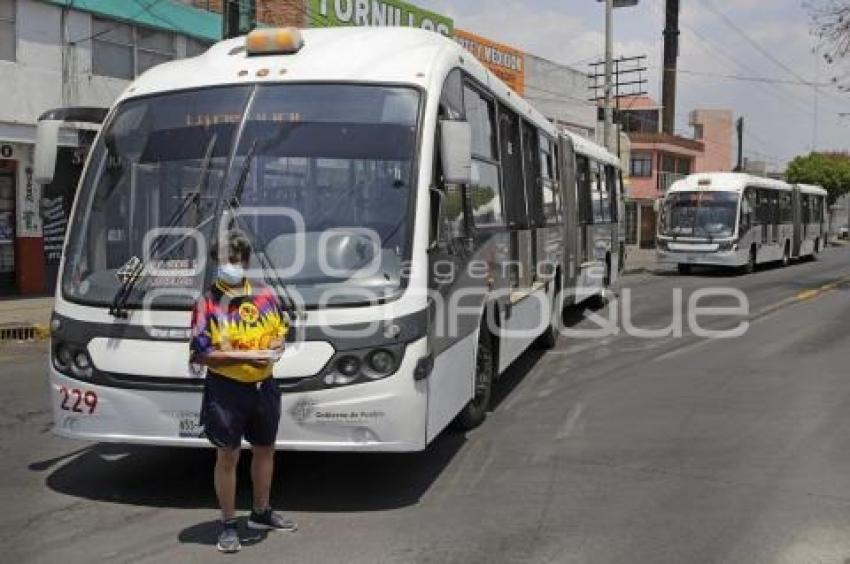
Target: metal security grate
{"type": "Point", "coordinates": [20, 333]}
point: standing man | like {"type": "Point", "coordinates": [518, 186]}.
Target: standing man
{"type": "Point", "coordinates": [238, 332]}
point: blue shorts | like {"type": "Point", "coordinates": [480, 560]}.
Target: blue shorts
{"type": "Point", "coordinates": [231, 411]}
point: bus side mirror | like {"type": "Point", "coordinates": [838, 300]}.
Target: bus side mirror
{"type": "Point", "coordinates": [456, 151]}
{"type": "Point", "coordinates": [46, 146]}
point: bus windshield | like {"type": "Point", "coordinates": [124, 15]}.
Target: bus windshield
{"type": "Point", "coordinates": [326, 181]}
{"type": "Point", "coordinates": [700, 214]}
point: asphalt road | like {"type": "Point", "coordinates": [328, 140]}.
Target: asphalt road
{"type": "Point", "coordinates": [615, 449]}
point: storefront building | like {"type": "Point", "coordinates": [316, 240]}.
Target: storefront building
{"type": "Point", "coordinates": [53, 55]}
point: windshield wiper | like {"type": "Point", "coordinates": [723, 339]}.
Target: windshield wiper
{"type": "Point", "coordinates": [136, 268]}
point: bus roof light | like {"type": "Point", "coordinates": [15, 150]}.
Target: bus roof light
{"type": "Point", "coordinates": [282, 40]}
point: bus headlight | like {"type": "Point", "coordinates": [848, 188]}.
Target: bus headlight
{"type": "Point", "coordinates": [62, 357]}
{"type": "Point", "coordinates": [381, 364]}
{"type": "Point", "coordinates": [365, 365]}
{"type": "Point", "coordinates": [72, 361]}
{"type": "Point", "coordinates": [82, 365]}
{"type": "Point", "coordinates": [727, 246]}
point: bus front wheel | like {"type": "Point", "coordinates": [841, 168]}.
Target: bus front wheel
{"type": "Point", "coordinates": [475, 411]}
{"type": "Point", "coordinates": [750, 267]}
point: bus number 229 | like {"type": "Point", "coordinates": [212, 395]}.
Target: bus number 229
{"type": "Point", "coordinates": [71, 400]}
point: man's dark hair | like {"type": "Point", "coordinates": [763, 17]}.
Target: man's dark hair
{"type": "Point", "coordinates": [236, 245]}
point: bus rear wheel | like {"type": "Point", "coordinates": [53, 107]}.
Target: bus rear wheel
{"type": "Point", "coordinates": [684, 269]}
{"type": "Point", "coordinates": [475, 411]}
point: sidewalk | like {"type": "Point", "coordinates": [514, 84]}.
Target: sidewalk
{"type": "Point", "coordinates": [23, 318]}
{"type": "Point", "coordinates": [640, 261]}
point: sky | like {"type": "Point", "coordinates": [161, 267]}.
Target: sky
{"type": "Point", "coordinates": [773, 41]}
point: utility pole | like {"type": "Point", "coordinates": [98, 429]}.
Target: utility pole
{"type": "Point", "coordinates": [623, 67]}
{"type": "Point", "coordinates": [609, 70]}
{"type": "Point", "coordinates": [671, 56]}
{"type": "Point", "coordinates": [740, 128]}
{"type": "Point", "coordinates": [609, 65]}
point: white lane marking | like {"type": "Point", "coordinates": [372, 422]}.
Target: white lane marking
{"type": "Point", "coordinates": [570, 423]}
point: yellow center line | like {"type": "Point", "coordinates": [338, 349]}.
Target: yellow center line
{"type": "Point", "coordinates": [807, 295]}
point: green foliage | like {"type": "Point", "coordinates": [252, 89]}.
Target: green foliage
{"type": "Point", "coordinates": [830, 170]}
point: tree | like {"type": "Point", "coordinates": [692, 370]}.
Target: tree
{"type": "Point", "coordinates": [830, 170]}
{"type": "Point", "coordinates": [831, 22]}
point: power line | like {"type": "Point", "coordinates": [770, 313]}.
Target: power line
{"type": "Point", "coordinates": [709, 45]}
{"type": "Point", "coordinates": [743, 78]}
{"type": "Point", "coordinates": [757, 46]}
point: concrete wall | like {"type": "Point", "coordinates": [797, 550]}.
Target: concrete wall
{"type": "Point", "coordinates": [560, 93]}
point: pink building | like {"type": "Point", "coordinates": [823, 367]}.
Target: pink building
{"type": "Point", "coordinates": [659, 159]}
{"type": "Point", "coordinates": [715, 129]}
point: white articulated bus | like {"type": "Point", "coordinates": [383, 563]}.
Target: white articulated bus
{"type": "Point", "coordinates": [431, 213]}
{"type": "Point", "coordinates": [738, 220]}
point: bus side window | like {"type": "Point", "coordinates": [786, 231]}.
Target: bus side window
{"type": "Point", "coordinates": [532, 170]}
{"type": "Point", "coordinates": [485, 195]}
{"type": "Point", "coordinates": [585, 211]}
{"type": "Point", "coordinates": [804, 205]}
{"type": "Point", "coordinates": [513, 187]}
{"type": "Point", "coordinates": [749, 208]}
{"type": "Point", "coordinates": [746, 214]}
{"type": "Point", "coordinates": [785, 204]}
{"type": "Point", "coordinates": [612, 178]}
{"type": "Point", "coordinates": [551, 195]}
{"type": "Point", "coordinates": [453, 215]}
{"type": "Point", "coordinates": [599, 193]}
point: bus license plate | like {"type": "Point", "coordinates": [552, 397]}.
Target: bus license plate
{"type": "Point", "coordinates": [190, 426]}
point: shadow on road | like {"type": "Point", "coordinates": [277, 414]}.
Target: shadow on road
{"type": "Point", "coordinates": [206, 534]}
{"type": "Point", "coordinates": [316, 482]}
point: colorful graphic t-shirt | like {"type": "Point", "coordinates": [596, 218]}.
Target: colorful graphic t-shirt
{"type": "Point", "coordinates": [249, 318]}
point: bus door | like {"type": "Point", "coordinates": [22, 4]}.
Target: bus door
{"type": "Point", "coordinates": [534, 200]}
{"type": "Point", "coordinates": [797, 219]}
{"type": "Point", "coordinates": [571, 216]}
{"type": "Point", "coordinates": [774, 217]}
{"type": "Point", "coordinates": [584, 199]}
{"type": "Point", "coordinates": [516, 207]}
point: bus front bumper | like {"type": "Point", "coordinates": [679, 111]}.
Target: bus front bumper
{"type": "Point", "coordinates": [720, 258]}
{"type": "Point", "coordinates": [384, 416]}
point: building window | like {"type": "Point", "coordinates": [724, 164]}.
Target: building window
{"type": "Point", "coordinates": [112, 49]}
{"type": "Point", "coordinates": [641, 165]}
{"type": "Point", "coordinates": [123, 51]}
{"type": "Point", "coordinates": [8, 35]}
{"type": "Point", "coordinates": [152, 48]}
{"type": "Point", "coordinates": [195, 47]}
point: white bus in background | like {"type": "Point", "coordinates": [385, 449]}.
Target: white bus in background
{"type": "Point", "coordinates": [738, 220]}
{"type": "Point", "coordinates": [396, 148]}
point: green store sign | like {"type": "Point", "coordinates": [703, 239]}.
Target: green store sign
{"type": "Point", "coordinates": [384, 13]}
